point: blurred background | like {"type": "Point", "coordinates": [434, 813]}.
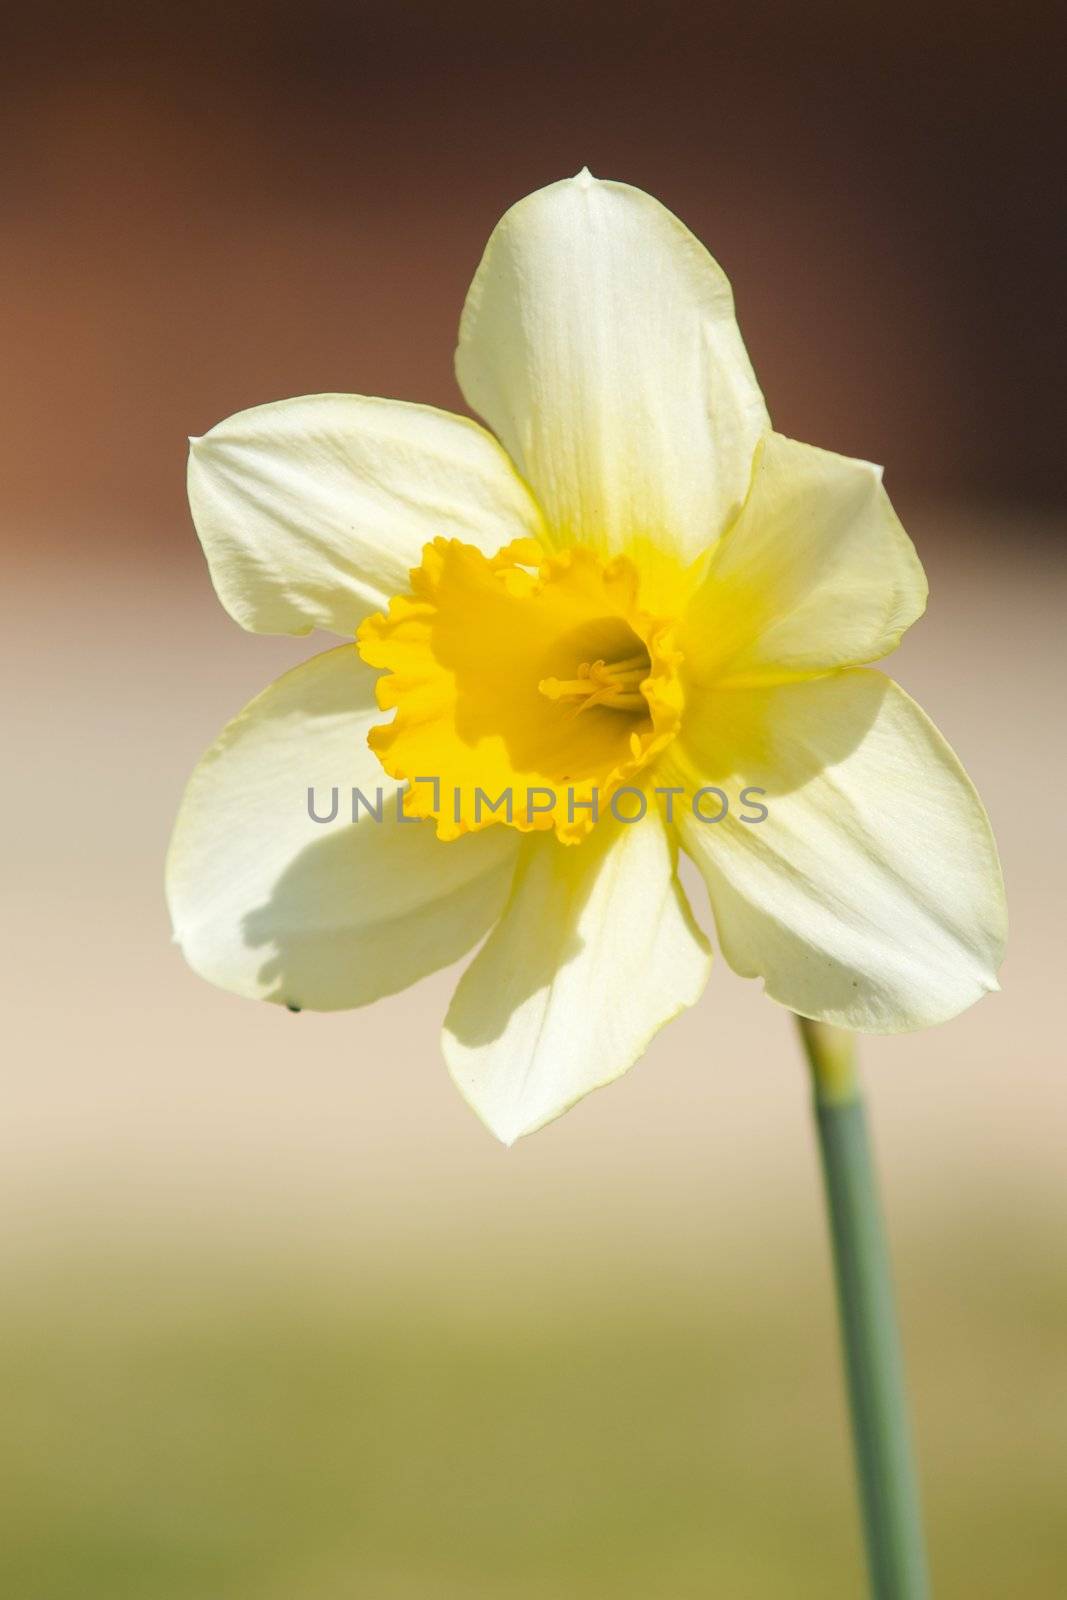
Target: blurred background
{"type": "Point", "coordinates": [279, 1318]}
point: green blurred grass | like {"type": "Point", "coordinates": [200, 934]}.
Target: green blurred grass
{"type": "Point", "coordinates": [184, 1428]}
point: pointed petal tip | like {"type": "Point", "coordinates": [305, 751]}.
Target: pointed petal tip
{"type": "Point", "coordinates": [505, 1134]}
{"type": "Point", "coordinates": [543, 364]}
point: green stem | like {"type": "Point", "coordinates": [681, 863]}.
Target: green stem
{"type": "Point", "coordinates": [889, 1492]}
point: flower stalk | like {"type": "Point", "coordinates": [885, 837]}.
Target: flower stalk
{"type": "Point", "coordinates": [888, 1487]}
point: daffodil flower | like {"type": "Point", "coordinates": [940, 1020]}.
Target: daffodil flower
{"type": "Point", "coordinates": [632, 583]}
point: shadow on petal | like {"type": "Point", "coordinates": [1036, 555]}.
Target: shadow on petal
{"type": "Point", "coordinates": [746, 735]}
{"type": "Point", "coordinates": [370, 908]}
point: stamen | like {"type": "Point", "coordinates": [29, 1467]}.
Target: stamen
{"type": "Point", "coordinates": [615, 685]}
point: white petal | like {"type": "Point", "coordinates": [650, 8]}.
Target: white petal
{"type": "Point", "coordinates": [312, 512]}
{"type": "Point", "coordinates": [817, 572]}
{"type": "Point", "coordinates": [599, 342]}
{"type": "Point", "coordinates": [596, 951]}
{"type": "Point", "coordinates": [270, 904]}
{"type": "Point", "coordinates": [871, 894]}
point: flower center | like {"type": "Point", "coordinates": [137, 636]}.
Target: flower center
{"type": "Point", "coordinates": [613, 684]}
{"type": "Point", "coordinates": [522, 696]}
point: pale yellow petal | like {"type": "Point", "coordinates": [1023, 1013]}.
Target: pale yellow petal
{"type": "Point", "coordinates": [313, 511]}
{"type": "Point", "coordinates": [596, 951]}
{"type": "Point", "coordinates": [599, 342]}
{"type": "Point", "coordinates": [270, 904]}
{"type": "Point", "coordinates": [817, 572]}
{"type": "Point", "coordinates": [871, 894]}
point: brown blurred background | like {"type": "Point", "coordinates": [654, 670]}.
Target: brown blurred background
{"type": "Point", "coordinates": [280, 1318]}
